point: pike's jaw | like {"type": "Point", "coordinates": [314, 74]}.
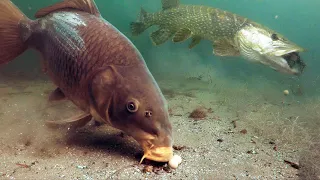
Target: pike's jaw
{"type": "Point", "coordinates": [158, 154]}
{"type": "Point", "coordinates": [257, 45]}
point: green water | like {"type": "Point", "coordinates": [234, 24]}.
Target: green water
{"type": "Point", "coordinates": [297, 20]}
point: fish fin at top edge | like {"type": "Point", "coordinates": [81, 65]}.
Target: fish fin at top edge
{"type": "Point", "coordinates": [88, 6]}
{"type": "Point", "coordinates": [167, 4]}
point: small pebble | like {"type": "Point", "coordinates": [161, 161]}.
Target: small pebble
{"type": "Point", "coordinates": [82, 167]}
{"type": "Point", "coordinates": [175, 161]}
{"type": "Point", "coordinates": [147, 169]}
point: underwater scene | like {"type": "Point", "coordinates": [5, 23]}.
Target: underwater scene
{"type": "Point", "coordinates": [160, 89]}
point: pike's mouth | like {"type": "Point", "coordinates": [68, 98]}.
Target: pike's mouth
{"type": "Point", "coordinates": [294, 61]}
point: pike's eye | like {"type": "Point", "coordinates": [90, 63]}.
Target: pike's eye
{"type": "Point", "coordinates": [274, 37]}
{"type": "Point", "coordinates": [132, 106]}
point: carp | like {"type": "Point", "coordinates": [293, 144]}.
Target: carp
{"type": "Point", "coordinates": [95, 66]}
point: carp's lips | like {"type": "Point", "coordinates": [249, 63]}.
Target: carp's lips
{"type": "Point", "coordinates": [293, 59]}
{"type": "Point", "coordinates": [158, 154]}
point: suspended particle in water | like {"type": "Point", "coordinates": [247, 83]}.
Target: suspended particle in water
{"type": "Point", "coordinates": [276, 16]}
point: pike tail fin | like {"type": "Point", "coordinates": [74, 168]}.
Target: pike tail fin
{"type": "Point", "coordinates": [139, 27]}
{"type": "Point", "coordinates": [11, 41]}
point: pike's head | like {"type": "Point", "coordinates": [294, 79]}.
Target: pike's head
{"type": "Point", "coordinates": [130, 100]}
{"type": "Point", "coordinates": [265, 46]}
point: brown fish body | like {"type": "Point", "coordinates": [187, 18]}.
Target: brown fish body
{"type": "Point", "coordinates": [72, 59]}
{"type": "Point", "coordinates": [96, 67]}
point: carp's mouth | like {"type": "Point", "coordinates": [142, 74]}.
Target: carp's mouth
{"type": "Point", "coordinates": [294, 61]}
{"type": "Point", "coordinates": [158, 154]}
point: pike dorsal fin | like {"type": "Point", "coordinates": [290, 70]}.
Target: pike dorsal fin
{"type": "Point", "coordinates": [167, 4]}
{"type": "Point", "coordinates": [88, 6]}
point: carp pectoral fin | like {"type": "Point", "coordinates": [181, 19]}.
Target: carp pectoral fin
{"type": "Point", "coordinates": [57, 95]}
{"type": "Point", "coordinates": [88, 6]}
{"type": "Point", "coordinates": [160, 36]}
{"type": "Point", "coordinates": [73, 122]}
{"type": "Point", "coordinates": [167, 4]}
{"type": "Point", "coordinates": [195, 41]}
{"type": "Point", "coordinates": [224, 47]}
{"type": "Point", "coordinates": [182, 35]}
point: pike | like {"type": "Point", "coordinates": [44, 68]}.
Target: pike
{"type": "Point", "coordinates": [96, 67]}
{"type": "Point", "coordinates": [230, 34]}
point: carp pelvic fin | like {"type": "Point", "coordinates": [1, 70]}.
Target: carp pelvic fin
{"type": "Point", "coordinates": [88, 6]}
{"type": "Point", "coordinates": [72, 122]}
{"type": "Point", "coordinates": [195, 41]}
{"type": "Point", "coordinates": [57, 95]}
{"type": "Point", "coordinates": [161, 36]}
{"type": "Point", "coordinates": [167, 4]}
{"type": "Point", "coordinates": [182, 35]}
{"type": "Point", "coordinates": [224, 47]}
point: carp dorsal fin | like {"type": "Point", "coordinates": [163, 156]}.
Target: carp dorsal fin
{"type": "Point", "coordinates": [88, 6]}
{"type": "Point", "coordinates": [167, 4]}
{"type": "Point", "coordinates": [224, 47]}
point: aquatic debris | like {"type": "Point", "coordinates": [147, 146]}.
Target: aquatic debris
{"type": "Point", "coordinates": [253, 141]}
{"type": "Point", "coordinates": [172, 114]}
{"type": "Point", "coordinates": [216, 118]}
{"type": "Point", "coordinates": [198, 113]}
{"type": "Point", "coordinates": [82, 167]}
{"type": "Point", "coordinates": [298, 90]}
{"type": "Point", "coordinates": [157, 167]}
{"type": "Point", "coordinates": [220, 140]}
{"type": "Point", "coordinates": [121, 169]}
{"type": "Point", "coordinates": [252, 152]}
{"type": "Point", "coordinates": [23, 165]}
{"type": "Point", "coordinates": [178, 148]}
{"type": "Point", "coordinates": [234, 122]}
{"type": "Point", "coordinates": [272, 141]}
{"type": "Point", "coordinates": [286, 92]}
{"type": "Point", "coordinates": [170, 93]}
{"type": "Point", "coordinates": [275, 148]}
{"type": "Point", "coordinates": [147, 169]}
{"type": "Point", "coordinates": [292, 164]}
{"type": "Point", "coordinates": [243, 131]}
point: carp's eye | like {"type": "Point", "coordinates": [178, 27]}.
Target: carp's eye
{"type": "Point", "coordinates": [132, 106]}
{"type": "Point", "coordinates": [274, 37]}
